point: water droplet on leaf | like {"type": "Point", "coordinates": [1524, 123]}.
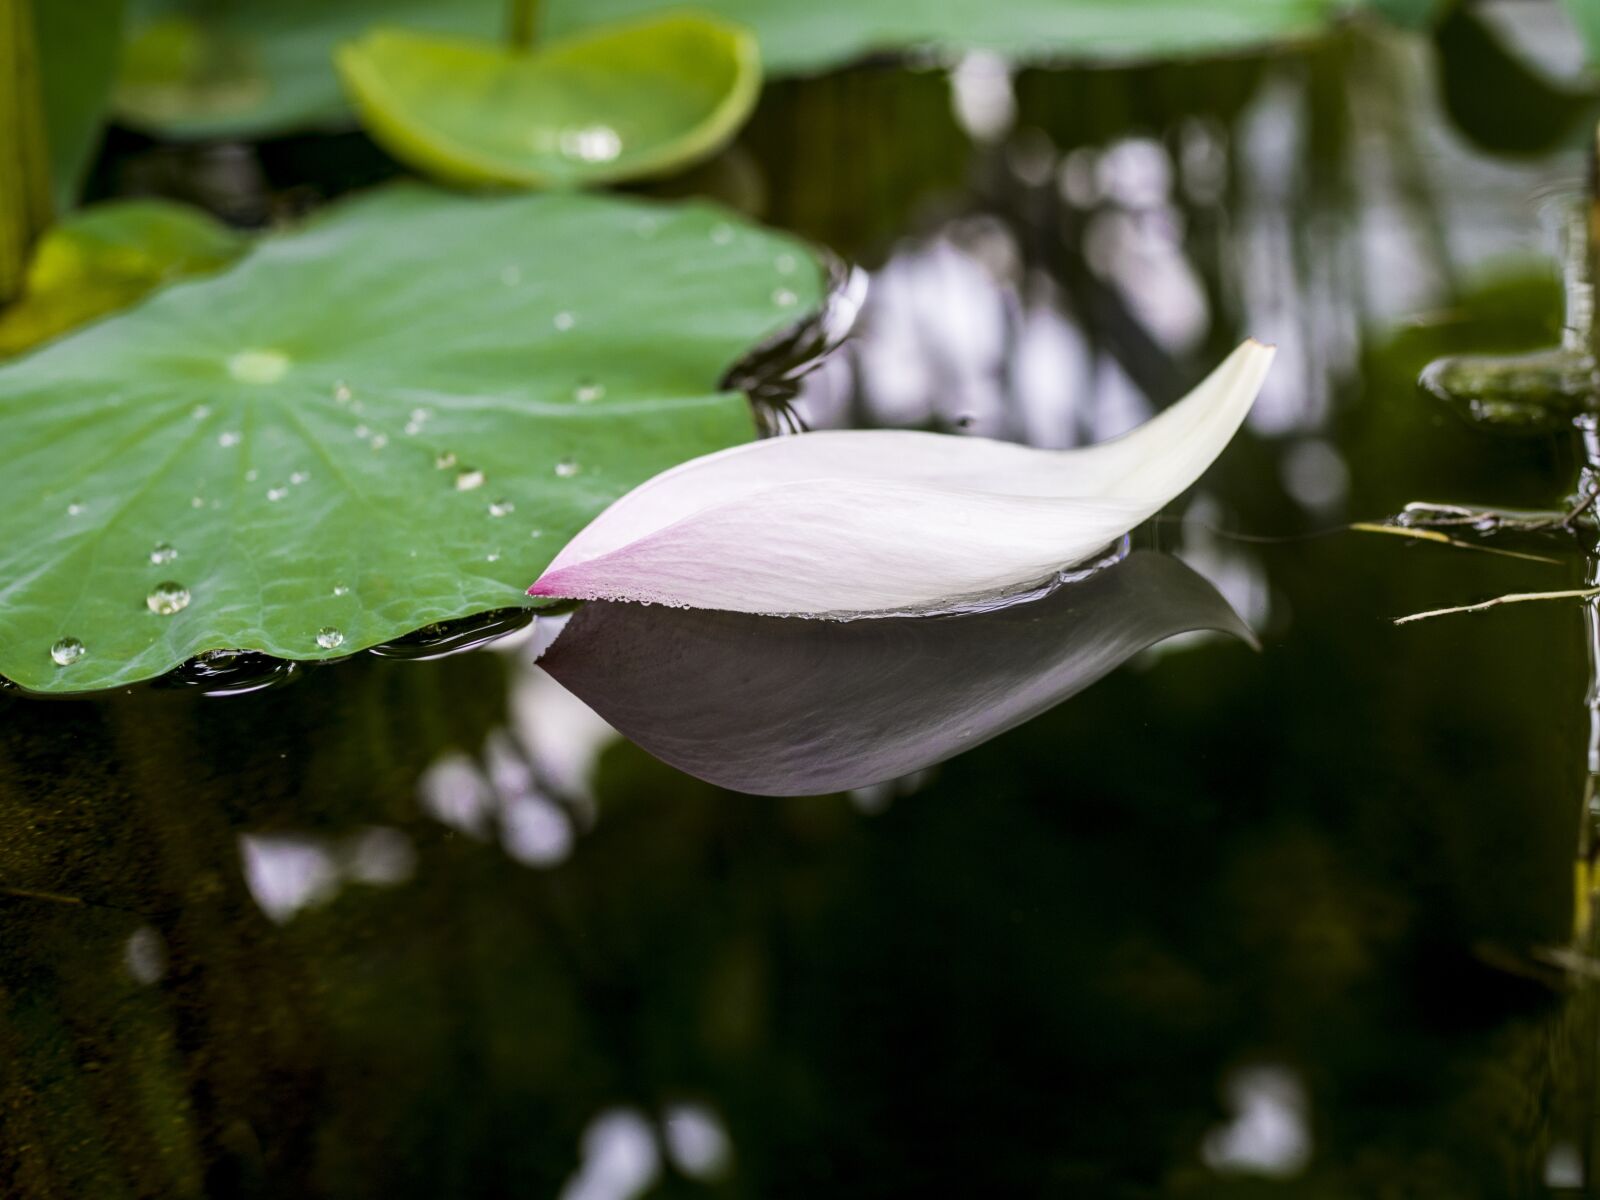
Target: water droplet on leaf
{"type": "Point", "coordinates": [591, 143]}
{"type": "Point", "coordinates": [67, 651]}
{"type": "Point", "coordinates": [329, 638]}
{"type": "Point", "coordinates": [163, 554]}
{"type": "Point", "coordinates": [274, 494]}
{"type": "Point", "coordinates": [564, 321]}
{"type": "Point", "coordinates": [167, 598]}
{"type": "Point", "coordinates": [501, 508]}
{"type": "Point", "coordinates": [258, 366]}
{"type": "Point", "coordinates": [229, 437]}
{"type": "Point", "coordinates": [468, 478]}
{"type": "Point", "coordinates": [588, 393]}
{"type": "Point", "coordinates": [567, 468]}
{"type": "Point", "coordinates": [444, 461]}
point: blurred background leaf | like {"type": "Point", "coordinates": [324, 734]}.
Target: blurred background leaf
{"type": "Point", "coordinates": [79, 43]}
{"type": "Point", "coordinates": [103, 258]}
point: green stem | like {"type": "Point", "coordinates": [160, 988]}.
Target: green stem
{"type": "Point", "coordinates": [25, 205]}
{"type": "Point", "coordinates": [523, 27]}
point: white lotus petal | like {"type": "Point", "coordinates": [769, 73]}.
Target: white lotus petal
{"type": "Point", "coordinates": [858, 522]}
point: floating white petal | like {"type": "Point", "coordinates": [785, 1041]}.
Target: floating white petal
{"type": "Point", "coordinates": [862, 522]}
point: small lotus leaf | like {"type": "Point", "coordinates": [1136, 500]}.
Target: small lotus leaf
{"type": "Point", "coordinates": [394, 416]}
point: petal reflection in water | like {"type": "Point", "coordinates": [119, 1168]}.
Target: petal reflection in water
{"type": "Point", "coordinates": [785, 706]}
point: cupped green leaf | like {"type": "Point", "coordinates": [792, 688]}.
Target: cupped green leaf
{"type": "Point", "coordinates": [625, 102]}
{"type": "Point", "coordinates": [392, 417]}
{"type": "Point", "coordinates": [104, 258]}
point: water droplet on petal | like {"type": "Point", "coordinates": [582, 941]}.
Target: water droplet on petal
{"type": "Point", "coordinates": [444, 461]}
{"type": "Point", "coordinates": [588, 392]}
{"type": "Point", "coordinates": [567, 468]}
{"type": "Point", "coordinates": [167, 598]}
{"type": "Point", "coordinates": [564, 321]}
{"type": "Point", "coordinates": [468, 478]}
{"type": "Point", "coordinates": [162, 554]}
{"type": "Point", "coordinates": [502, 508]}
{"type": "Point", "coordinates": [229, 437]}
{"type": "Point", "coordinates": [329, 638]}
{"type": "Point", "coordinates": [274, 494]}
{"type": "Point", "coordinates": [67, 651]}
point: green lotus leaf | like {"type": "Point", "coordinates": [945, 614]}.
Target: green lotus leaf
{"type": "Point", "coordinates": [802, 38]}
{"type": "Point", "coordinates": [101, 259]}
{"type": "Point", "coordinates": [623, 102]}
{"type": "Point", "coordinates": [394, 416]}
{"type": "Point", "coordinates": [198, 68]}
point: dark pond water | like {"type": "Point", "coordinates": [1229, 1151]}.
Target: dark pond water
{"type": "Point", "coordinates": [1228, 923]}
